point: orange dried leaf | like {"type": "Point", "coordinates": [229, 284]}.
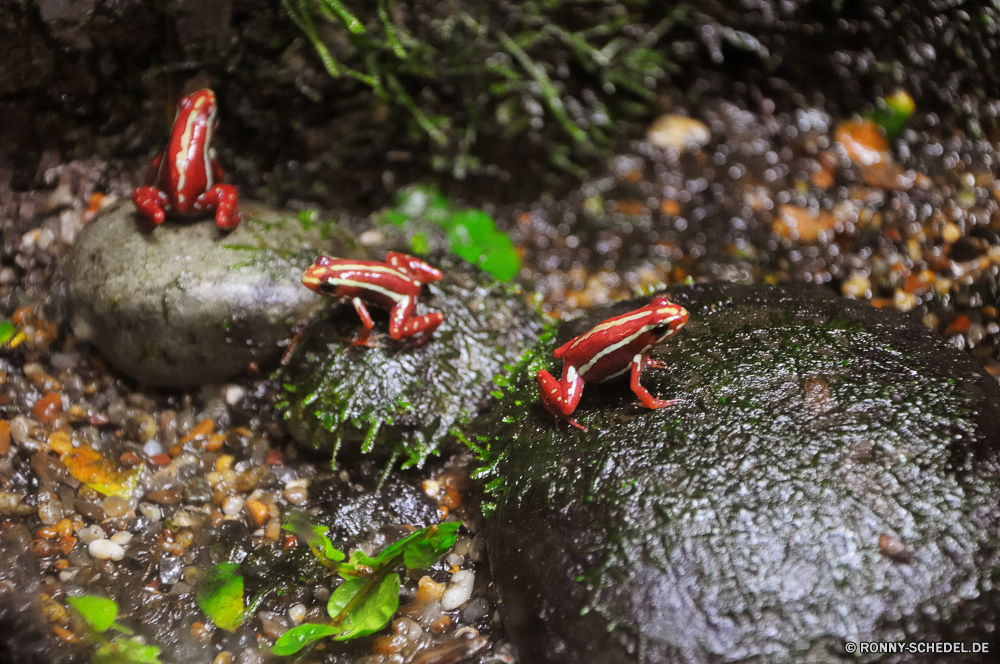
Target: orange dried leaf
{"type": "Point", "coordinates": [203, 428]}
{"type": "Point", "coordinates": [107, 477]}
{"type": "Point", "coordinates": [862, 141]}
{"type": "Point", "coordinates": [958, 326]}
{"type": "Point", "coordinates": [798, 223]}
{"type": "Point", "coordinates": [47, 408]}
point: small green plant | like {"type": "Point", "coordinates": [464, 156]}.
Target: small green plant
{"type": "Point", "coordinates": [369, 596]}
{"type": "Point", "coordinates": [475, 76]}
{"type": "Point", "coordinates": [220, 595]}
{"type": "Point", "coordinates": [472, 234]}
{"type": "Point", "coordinates": [101, 614]}
{"type": "Point", "coordinates": [892, 112]}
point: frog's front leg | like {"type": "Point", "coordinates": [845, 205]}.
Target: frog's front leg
{"type": "Point", "coordinates": [223, 198]}
{"type": "Point", "coordinates": [404, 323]}
{"type": "Point", "coordinates": [151, 202]}
{"type": "Point", "coordinates": [366, 322]}
{"type": "Point", "coordinates": [561, 397]}
{"type": "Point", "coordinates": [647, 399]}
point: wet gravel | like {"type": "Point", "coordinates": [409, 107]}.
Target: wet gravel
{"type": "Point", "coordinates": [768, 198]}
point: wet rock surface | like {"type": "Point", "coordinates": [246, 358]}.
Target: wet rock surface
{"type": "Point", "coordinates": [185, 304]}
{"type": "Point", "coordinates": [830, 477]}
{"type": "Point", "coordinates": [392, 399]}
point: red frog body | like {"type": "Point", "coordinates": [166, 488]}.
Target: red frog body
{"type": "Point", "coordinates": [608, 350]}
{"type": "Point", "coordinates": [394, 285]}
{"type": "Point", "coordinates": [185, 179]}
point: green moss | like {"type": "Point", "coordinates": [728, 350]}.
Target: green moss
{"type": "Point", "coordinates": [405, 402]}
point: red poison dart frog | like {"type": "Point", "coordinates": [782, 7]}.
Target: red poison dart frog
{"type": "Point", "coordinates": [394, 285]}
{"type": "Point", "coordinates": [608, 351]}
{"type": "Point", "coordinates": [185, 179]}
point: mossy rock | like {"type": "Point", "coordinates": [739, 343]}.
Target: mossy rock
{"type": "Point", "coordinates": [406, 401]}
{"type": "Point", "coordinates": [830, 477]}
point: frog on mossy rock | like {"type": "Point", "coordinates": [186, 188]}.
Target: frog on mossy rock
{"type": "Point", "coordinates": [396, 399]}
{"type": "Point", "coordinates": [831, 476]}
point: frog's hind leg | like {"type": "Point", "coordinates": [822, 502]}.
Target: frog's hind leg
{"type": "Point", "coordinates": [223, 198]}
{"type": "Point", "coordinates": [647, 399]}
{"type": "Point", "coordinates": [416, 329]}
{"type": "Point", "coordinates": [560, 398]}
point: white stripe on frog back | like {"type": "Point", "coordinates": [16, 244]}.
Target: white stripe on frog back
{"type": "Point", "coordinates": [624, 342]}
{"type": "Point", "coordinates": [206, 149]}
{"type": "Point", "coordinates": [606, 325]}
{"type": "Point", "coordinates": [394, 296]}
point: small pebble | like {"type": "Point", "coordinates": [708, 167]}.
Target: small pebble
{"type": "Point", "coordinates": [459, 590]}
{"type": "Point", "coordinates": [296, 495]}
{"type": "Point", "coordinates": [232, 505]}
{"type": "Point", "coordinates": [297, 612]}
{"type": "Point", "coordinates": [122, 537]}
{"type": "Point", "coordinates": [170, 570]}
{"type": "Point", "coordinates": [151, 511]}
{"type": "Point", "coordinates": [115, 506]}
{"type": "Point", "coordinates": [50, 511]}
{"type": "Point", "coordinates": [475, 610]}
{"type": "Point", "coordinates": [90, 533]}
{"type": "Point", "coordinates": [234, 394]}
{"type": "Point", "coordinates": [165, 496]}
{"type": "Point", "coordinates": [104, 549]}
{"type": "Point", "coordinates": [258, 512]}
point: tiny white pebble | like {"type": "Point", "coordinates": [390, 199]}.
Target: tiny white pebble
{"type": "Point", "coordinates": [455, 559]}
{"type": "Point", "coordinates": [432, 488]}
{"type": "Point", "coordinates": [104, 549]}
{"type": "Point", "coordinates": [122, 537]}
{"type": "Point", "coordinates": [184, 519]}
{"type": "Point", "coordinates": [151, 448]}
{"type": "Point", "coordinates": [234, 394]}
{"type": "Point", "coordinates": [297, 612]}
{"type": "Point", "coordinates": [90, 533]}
{"type": "Point", "coordinates": [232, 505]}
{"type": "Point", "coordinates": [297, 483]}
{"type": "Point", "coordinates": [151, 511]}
{"type": "Point", "coordinates": [459, 590]}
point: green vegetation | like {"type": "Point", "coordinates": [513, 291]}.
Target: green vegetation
{"type": "Point", "coordinates": [369, 595]}
{"type": "Point", "coordinates": [473, 76]}
{"type": "Point", "coordinates": [472, 234]}
{"type": "Point", "coordinates": [220, 596]}
{"type": "Point", "coordinates": [101, 614]}
{"type": "Point", "coordinates": [892, 112]}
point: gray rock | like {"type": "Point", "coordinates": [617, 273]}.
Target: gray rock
{"type": "Point", "coordinates": [830, 478]}
{"type": "Point", "coordinates": [185, 304]}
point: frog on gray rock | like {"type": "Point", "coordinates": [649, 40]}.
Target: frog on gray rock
{"type": "Point", "coordinates": [831, 476]}
{"type": "Point", "coordinates": [189, 304]}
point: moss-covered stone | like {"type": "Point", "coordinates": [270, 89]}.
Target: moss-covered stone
{"type": "Point", "coordinates": [398, 400]}
{"type": "Point", "coordinates": [831, 476]}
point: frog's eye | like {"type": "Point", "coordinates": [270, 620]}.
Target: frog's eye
{"type": "Point", "coordinates": [327, 287]}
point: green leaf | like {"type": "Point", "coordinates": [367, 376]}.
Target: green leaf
{"type": "Point", "coordinates": [435, 542]}
{"type": "Point", "coordinates": [300, 636]}
{"type": "Point", "coordinates": [220, 596]}
{"type": "Point", "coordinates": [7, 331]}
{"type": "Point", "coordinates": [370, 613]}
{"type": "Point", "coordinates": [99, 612]}
{"type": "Point", "coordinates": [359, 557]}
{"type": "Point", "coordinates": [420, 244]}
{"type": "Point", "coordinates": [126, 651]}
{"type": "Point", "coordinates": [314, 536]}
